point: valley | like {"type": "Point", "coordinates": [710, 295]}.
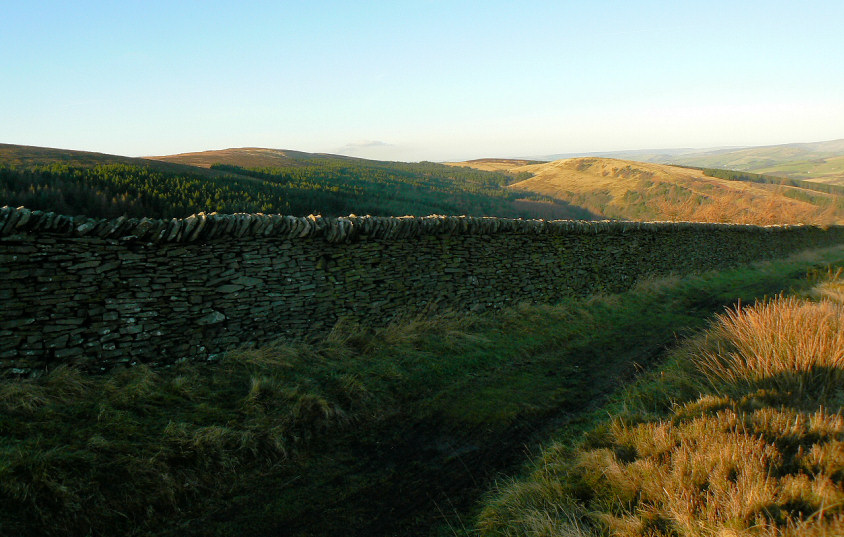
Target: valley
{"type": "Point", "coordinates": [629, 190]}
{"type": "Point", "coordinates": [422, 269]}
{"type": "Point", "coordinates": [456, 420]}
{"type": "Point", "coordinates": [821, 162]}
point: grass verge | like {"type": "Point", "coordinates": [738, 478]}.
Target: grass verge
{"type": "Point", "coordinates": [389, 431]}
{"type": "Point", "coordinates": [740, 435]}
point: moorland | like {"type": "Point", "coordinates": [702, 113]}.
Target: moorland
{"type": "Point", "coordinates": [586, 416]}
{"type": "Point", "coordinates": [820, 162]}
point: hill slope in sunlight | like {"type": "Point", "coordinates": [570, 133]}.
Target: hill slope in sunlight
{"type": "Point", "coordinates": [821, 161]}
{"type": "Point", "coordinates": [258, 180]}
{"type": "Point", "coordinates": [645, 191]}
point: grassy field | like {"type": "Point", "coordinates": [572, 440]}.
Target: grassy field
{"type": "Point", "coordinates": [741, 434]}
{"type": "Point", "coordinates": [396, 431]}
{"type": "Point", "coordinates": [825, 170]}
{"type": "Point", "coordinates": [819, 161]}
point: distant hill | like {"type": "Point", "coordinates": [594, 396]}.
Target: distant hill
{"type": "Point", "coordinates": [495, 164]}
{"type": "Point", "coordinates": [298, 183]}
{"type": "Point", "coordinates": [817, 161]}
{"type": "Point", "coordinates": [23, 156]}
{"type": "Point", "coordinates": [631, 190]}
{"type": "Point", "coordinates": [259, 180]}
{"type": "Point", "coordinates": [821, 161]}
{"type": "Point", "coordinates": [249, 157]}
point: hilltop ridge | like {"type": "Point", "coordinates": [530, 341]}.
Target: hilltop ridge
{"type": "Point", "coordinates": [254, 179]}
{"type": "Point", "coordinates": [28, 155]}
{"type": "Point", "coordinates": [813, 161]}
{"type": "Point", "coordinates": [248, 157]}
{"type": "Point", "coordinates": [258, 180]}
{"type": "Point", "coordinates": [495, 164]}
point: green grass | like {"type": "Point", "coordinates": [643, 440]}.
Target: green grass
{"type": "Point", "coordinates": [740, 434]}
{"type": "Point", "coordinates": [389, 431]}
{"type": "Point", "coordinates": [829, 170]}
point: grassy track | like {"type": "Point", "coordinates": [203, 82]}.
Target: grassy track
{"type": "Point", "coordinates": [740, 435]}
{"type": "Point", "coordinates": [396, 431]}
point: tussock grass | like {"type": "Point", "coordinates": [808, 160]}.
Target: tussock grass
{"type": "Point", "coordinates": [787, 344]}
{"type": "Point", "coordinates": [124, 451]}
{"type": "Point", "coordinates": [741, 434]}
{"type": "Point", "coordinates": [760, 206]}
{"type": "Point", "coordinates": [720, 464]}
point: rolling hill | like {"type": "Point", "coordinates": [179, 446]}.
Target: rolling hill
{"type": "Point", "coordinates": [495, 164]}
{"type": "Point", "coordinates": [249, 157]}
{"type": "Point", "coordinates": [24, 156]}
{"type": "Point", "coordinates": [817, 161]}
{"type": "Point", "coordinates": [645, 191]}
{"type": "Point", "coordinates": [298, 183]}
{"type": "Point", "coordinates": [258, 180]}
{"type": "Point", "coordinates": [820, 161]}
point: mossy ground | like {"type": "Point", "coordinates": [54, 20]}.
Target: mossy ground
{"type": "Point", "coordinates": [395, 431]}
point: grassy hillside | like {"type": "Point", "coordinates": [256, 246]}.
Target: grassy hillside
{"type": "Point", "coordinates": [248, 157]}
{"type": "Point", "coordinates": [24, 156]}
{"type": "Point", "coordinates": [644, 191]}
{"type": "Point", "coordinates": [295, 183]}
{"type": "Point", "coordinates": [740, 435]}
{"type": "Point", "coordinates": [396, 431]}
{"type": "Point", "coordinates": [494, 164]}
{"type": "Point", "coordinates": [828, 170]}
{"type": "Point", "coordinates": [820, 161]}
{"type": "Point", "coordinates": [733, 175]}
{"type": "Point", "coordinates": [290, 182]}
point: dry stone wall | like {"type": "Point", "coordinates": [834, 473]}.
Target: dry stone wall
{"type": "Point", "coordinates": [98, 293]}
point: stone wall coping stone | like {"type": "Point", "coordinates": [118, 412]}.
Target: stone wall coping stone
{"type": "Point", "coordinates": [204, 227]}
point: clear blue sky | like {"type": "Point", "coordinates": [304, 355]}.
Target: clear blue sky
{"type": "Point", "coordinates": [416, 80]}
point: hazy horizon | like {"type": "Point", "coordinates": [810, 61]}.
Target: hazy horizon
{"type": "Point", "coordinates": [422, 80]}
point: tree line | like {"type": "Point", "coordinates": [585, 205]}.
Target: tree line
{"type": "Point", "coordinates": [327, 186]}
{"type": "Point", "coordinates": [732, 175]}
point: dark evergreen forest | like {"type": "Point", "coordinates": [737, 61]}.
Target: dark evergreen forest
{"type": "Point", "coordinates": [321, 185]}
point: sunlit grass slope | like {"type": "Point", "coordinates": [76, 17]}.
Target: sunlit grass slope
{"type": "Point", "coordinates": [818, 161]}
{"type": "Point", "coordinates": [494, 164]}
{"type": "Point", "coordinates": [643, 191]}
{"type": "Point", "coordinates": [363, 433]}
{"type": "Point", "coordinates": [825, 170]}
{"type": "Point", "coordinates": [742, 435]}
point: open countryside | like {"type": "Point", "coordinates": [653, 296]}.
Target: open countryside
{"type": "Point", "coordinates": [453, 432]}
{"type": "Point", "coordinates": [422, 269]}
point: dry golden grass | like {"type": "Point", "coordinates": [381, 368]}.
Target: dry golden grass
{"type": "Point", "coordinates": [786, 344]}
{"type": "Point", "coordinates": [753, 461]}
{"type": "Point", "coordinates": [721, 466]}
{"type": "Point", "coordinates": [833, 286]}
{"type": "Point", "coordinates": [491, 164]}
{"type": "Point", "coordinates": [762, 455]}
{"type": "Point", "coordinates": [644, 191]}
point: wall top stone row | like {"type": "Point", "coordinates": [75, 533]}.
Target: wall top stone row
{"type": "Point", "coordinates": [204, 227]}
